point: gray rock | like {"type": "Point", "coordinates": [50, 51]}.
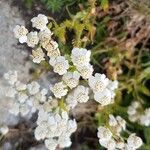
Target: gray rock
{"type": "Point", "coordinates": [12, 56]}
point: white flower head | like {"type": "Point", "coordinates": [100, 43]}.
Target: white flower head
{"type": "Point", "coordinates": [39, 22]}
{"type": "Point", "coordinates": [134, 118]}
{"type": "Point", "coordinates": [109, 144]}
{"type": "Point", "coordinates": [32, 39]}
{"type": "Point", "coordinates": [64, 141]}
{"type": "Point", "coordinates": [104, 133]}
{"type": "Point", "coordinates": [104, 98]}
{"type": "Point", "coordinates": [135, 104]}
{"type": "Point", "coordinates": [145, 118]}
{"type": "Point", "coordinates": [51, 45]}
{"type": "Point", "coordinates": [51, 144]}
{"type": "Point", "coordinates": [112, 120]}
{"type": "Point", "coordinates": [14, 109]}
{"type": "Point", "coordinates": [81, 94]}
{"type": "Point", "coordinates": [72, 126]}
{"type": "Point", "coordinates": [59, 89]}
{"type": "Point", "coordinates": [41, 131]}
{"type": "Point", "coordinates": [112, 85]}
{"type": "Point", "coordinates": [33, 88]}
{"type": "Point", "coordinates": [24, 109]}
{"type": "Point", "coordinates": [80, 56]}
{"type": "Point", "coordinates": [71, 79]}
{"type": "Point", "coordinates": [85, 71]}
{"type": "Point", "coordinates": [60, 64]}
{"type": "Point", "coordinates": [10, 92]}
{"type": "Point", "coordinates": [121, 122]}
{"type": "Point", "coordinates": [131, 110]}
{"type": "Point", "coordinates": [11, 77]}
{"type": "Point", "coordinates": [22, 97]}
{"type": "Point", "coordinates": [37, 55]}
{"type": "Point", "coordinates": [20, 33]}
{"type": "Point", "coordinates": [20, 86]}
{"type": "Point", "coordinates": [45, 35]}
{"type": "Point", "coordinates": [4, 130]}
{"type": "Point", "coordinates": [71, 101]}
{"type": "Point", "coordinates": [53, 53]}
{"type": "Point", "coordinates": [98, 82]}
{"type": "Point", "coordinates": [134, 141]}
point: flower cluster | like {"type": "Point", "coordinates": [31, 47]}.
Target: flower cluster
{"type": "Point", "coordinates": [55, 129]}
{"type": "Point", "coordinates": [41, 40]}
{"type": "Point", "coordinates": [110, 137]}
{"type": "Point", "coordinates": [17, 91]}
{"type": "Point", "coordinates": [53, 123]}
{"type": "Point", "coordinates": [136, 114]}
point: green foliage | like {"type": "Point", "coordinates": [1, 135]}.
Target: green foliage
{"type": "Point", "coordinates": [29, 3]}
{"type": "Point", "coordinates": [105, 4]}
{"type": "Point", "coordinates": [56, 5]}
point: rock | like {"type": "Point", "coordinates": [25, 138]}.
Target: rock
{"type": "Point", "coordinates": [12, 56]}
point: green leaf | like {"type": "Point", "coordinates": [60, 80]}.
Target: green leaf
{"type": "Point", "coordinates": [29, 3]}
{"type": "Point", "coordinates": [147, 135]}
{"type": "Point", "coordinates": [105, 4]}
{"type": "Point", "coordinates": [143, 90]}
{"type": "Point", "coordinates": [144, 74]}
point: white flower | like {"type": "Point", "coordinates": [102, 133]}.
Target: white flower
{"type": "Point", "coordinates": [145, 118]}
{"type": "Point", "coordinates": [98, 82]}
{"type": "Point", "coordinates": [4, 130]}
{"type": "Point", "coordinates": [64, 141]}
{"type": "Point", "coordinates": [60, 64]}
{"type": "Point", "coordinates": [104, 98]}
{"type": "Point", "coordinates": [14, 109]}
{"type": "Point", "coordinates": [81, 94]}
{"type": "Point", "coordinates": [85, 71]}
{"type": "Point", "coordinates": [131, 110]}
{"type": "Point", "coordinates": [11, 77]}
{"type": "Point", "coordinates": [22, 97]}
{"type": "Point", "coordinates": [41, 131]}
{"type": "Point", "coordinates": [10, 92]}
{"type": "Point", "coordinates": [39, 22]}
{"type": "Point", "coordinates": [112, 85]}
{"type": "Point", "coordinates": [43, 95]}
{"type": "Point", "coordinates": [33, 87]}
{"type": "Point", "coordinates": [42, 116]}
{"type": "Point", "coordinates": [53, 53]}
{"type": "Point", "coordinates": [80, 56]}
{"type": "Point", "coordinates": [134, 141]}
{"type": "Point", "coordinates": [51, 45]}
{"type": "Point", "coordinates": [104, 133]}
{"type": "Point", "coordinates": [71, 79]}
{"type": "Point", "coordinates": [71, 101]}
{"type": "Point", "coordinates": [121, 122]}
{"type": "Point", "coordinates": [135, 104]}
{"type": "Point", "coordinates": [72, 126]}
{"type": "Point", "coordinates": [109, 144]}
{"type": "Point", "coordinates": [45, 35]}
{"type": "Point", "coordinates": [51, 144]}
{"type": "Point", "coordinates": [20, 86]}
{"type": "Point", "coordinates": [24, 109]}
{"type": "Point", "coordinates": [50, 104]}
{"type": "Point", "coordinates": [20, 33]}
{"type": "Point", "coordinates": [112, 120]}
{"type": "Point", "coordinates": [64, 115]}
{"type": "Point", "coordinates": [134, 118]}
{"type": "Point", "coordinates": [32, 39]}
{"type": "Point", "coordinates": [38, 55]}
{"type": "Point", "coordinates": [59, 89]}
